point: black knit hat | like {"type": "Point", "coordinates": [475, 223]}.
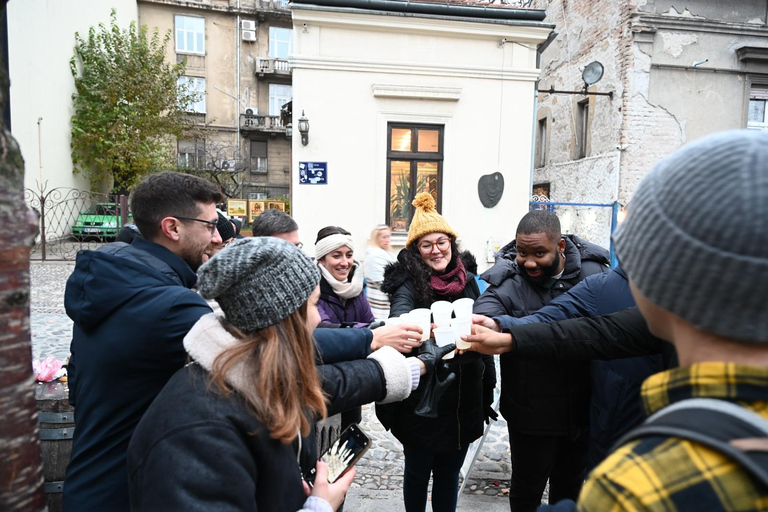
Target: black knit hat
{"type": "Point", "coordinates": [258, 281]}
{"type": "Point", "coordinates": [695, 240]}
{"type": "Point", "coordinates": [225, 228]}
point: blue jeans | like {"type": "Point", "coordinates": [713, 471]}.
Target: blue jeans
{"type": "Point", "coordinates": [444, 468]}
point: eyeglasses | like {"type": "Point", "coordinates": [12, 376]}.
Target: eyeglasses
{"type": "Point", "coordinates": [441, 243]}
{"type": "Point", "coordinates": [299, 245]}
{"type": "Point", "coordinates": [211, 223]}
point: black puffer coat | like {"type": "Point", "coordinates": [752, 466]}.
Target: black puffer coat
{"type": "Point", "coordinates": [460, 410]}
{"type": "Point", "coordinates": [540, 396]}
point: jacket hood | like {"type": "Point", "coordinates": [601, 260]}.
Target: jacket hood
{"type": "Point", "coordinates": [395, 274]}
{"type": "Point", "coordinates": [107, 279]}
{"type": "Point", "coordinates": [576, 250]}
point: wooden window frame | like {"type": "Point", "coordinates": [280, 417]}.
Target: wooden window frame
{"type": "Point", "coordinates": [414, 157]}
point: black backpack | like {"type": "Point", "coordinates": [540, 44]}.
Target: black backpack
{"type": "Point", "coordinates": [726, 427]}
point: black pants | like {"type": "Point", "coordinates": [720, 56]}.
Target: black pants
{"type": "Point", "coordinates": [444, 468]}
{"type": "Point", "coordinates": [538, 458]}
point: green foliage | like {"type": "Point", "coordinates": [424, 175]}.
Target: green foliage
{"type": "Point", "coordinates": [128, 105]}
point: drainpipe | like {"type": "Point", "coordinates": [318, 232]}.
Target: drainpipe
{"type": "Point", "coordinates": [238, 44]}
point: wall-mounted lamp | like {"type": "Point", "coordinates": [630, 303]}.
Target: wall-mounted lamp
{"type": "Point", "coordinates": [289, 131]}
{"type": "Point", "coordinates": [304, 128]}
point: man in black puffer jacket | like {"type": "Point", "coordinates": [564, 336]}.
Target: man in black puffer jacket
{"type": "Point", "coordinates": [544, 402]}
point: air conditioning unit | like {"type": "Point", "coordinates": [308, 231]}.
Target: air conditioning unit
{"type": "Point", "coordinates": [249, 35]}
{"type": "Point", "coordinates": [227, 165]}
{"type": "Point", "coordinates": [248, 25]}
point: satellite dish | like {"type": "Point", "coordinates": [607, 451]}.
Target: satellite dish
{"type": "Point", "coordinates": [592, 73]}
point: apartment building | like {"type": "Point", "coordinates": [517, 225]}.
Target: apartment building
{"type": "Point", "coordinates": [236, 53]}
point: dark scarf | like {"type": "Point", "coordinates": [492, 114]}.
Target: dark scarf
{"type": "Point", "coordinates": [450, 283]}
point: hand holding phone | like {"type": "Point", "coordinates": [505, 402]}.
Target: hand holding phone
{"type": "Point", "coordinates": [343, 454]}
{"type": "Point", "coordinates": [332, 493]}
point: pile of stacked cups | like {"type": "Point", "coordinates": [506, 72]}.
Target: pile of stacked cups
{"type": "Point", "coordinates": [450, 330]}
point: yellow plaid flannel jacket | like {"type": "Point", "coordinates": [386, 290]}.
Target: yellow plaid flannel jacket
{"type": "Point", "coordinates": [672, 474]}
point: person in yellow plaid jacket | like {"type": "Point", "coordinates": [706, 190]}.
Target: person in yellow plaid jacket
{"type": "Point", "coordinates": [695, 247]}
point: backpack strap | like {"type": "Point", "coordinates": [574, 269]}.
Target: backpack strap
{"type": "Point", "coordinates": [726, 427]}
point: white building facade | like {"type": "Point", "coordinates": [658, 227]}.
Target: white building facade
{"type": "Point", "coordinates": [41, 42]}
{"type": "Point", "coordinates": [427, 97]}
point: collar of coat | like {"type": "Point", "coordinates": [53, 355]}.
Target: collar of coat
{"type": "Point", "coordinates": [728, 381]}
{"type": "Point", "coordinates": [577, 250]}
{"type": "Point", "coordinates": [206, 340]}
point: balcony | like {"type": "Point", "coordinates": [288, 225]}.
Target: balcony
{"type": "Point", "coordinates": [264, 124]}
{"type": "Point", "coordinates": [276, 8]}
{"type": "Point", "coordinates": [266, 67]}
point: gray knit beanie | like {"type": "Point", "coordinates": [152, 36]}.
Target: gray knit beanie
{"type": "Point", "coordinates": [695, 240]}
{"type": "Point", "coordinates": [258, 281]}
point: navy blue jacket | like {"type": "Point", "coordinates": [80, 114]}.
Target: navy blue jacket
{"type": "Point", "coordinates": [131, 306]}
{"type": "Point", "coordinates": [538, 396]}
{"type": "Point", "coordinates": [615, 405]}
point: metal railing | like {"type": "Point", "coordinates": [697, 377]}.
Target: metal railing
{"type": "Point", "coordinates": [261, 123]}
{"type": "Point", "coordinates": [72, 219]}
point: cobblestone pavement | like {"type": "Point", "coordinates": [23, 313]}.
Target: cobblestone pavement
{"type": "Point", "coordinates": [381, 469]}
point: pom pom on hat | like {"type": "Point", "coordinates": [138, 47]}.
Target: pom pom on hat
{"type": "Point", "coordinates": [426, 220]}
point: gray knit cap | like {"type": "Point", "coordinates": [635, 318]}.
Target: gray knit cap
{"type": "Point", "coordinates": [258, 281]}
{"type": "Point", "coordinates": [695, 240]}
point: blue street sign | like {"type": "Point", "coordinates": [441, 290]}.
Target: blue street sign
{"type": "Point", "coordinates": [313, 173]}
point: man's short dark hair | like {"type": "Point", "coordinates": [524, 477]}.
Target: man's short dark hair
{"type": "Point", "coordinates": [540, 221]}
{"type": "Point", "coordinates": [273, 222]}
{"type": "Point", "coordinates": [167, 194]}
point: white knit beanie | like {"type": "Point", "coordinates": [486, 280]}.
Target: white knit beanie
{"type": "Point", "coordinates": [695, 240]}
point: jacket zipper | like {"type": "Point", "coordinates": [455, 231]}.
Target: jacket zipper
{"type": "Point", "coordinates": [458, 421]}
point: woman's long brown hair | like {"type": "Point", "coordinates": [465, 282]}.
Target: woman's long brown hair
{"type": "Point", "coordinates": [279, 360]}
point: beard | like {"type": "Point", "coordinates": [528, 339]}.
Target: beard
{"type": "Point", "coordinates": [546, 272]}
{"type": "Point", "coordinates": [193, 257]}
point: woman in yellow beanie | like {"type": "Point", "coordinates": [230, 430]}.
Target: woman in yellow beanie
{"type": "Point", "coordinates": [432, 268]}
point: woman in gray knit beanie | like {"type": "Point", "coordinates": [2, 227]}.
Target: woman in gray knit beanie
{"type": "Point", "coordinates": [244, 411]}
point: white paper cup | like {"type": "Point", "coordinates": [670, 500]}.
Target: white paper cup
{"type": "Point", "coordinates": [423, 318]}
{"type": "Point", "coordinates": [442, 319]}
{"type": "Point", "coordinates": [441, 306]}
{"type": "Point", "coordinates": [445, 336]}
{"type": "Point", "coordinates": [463, 307]}
{"type": "Point", "coordinates": [462, 326]}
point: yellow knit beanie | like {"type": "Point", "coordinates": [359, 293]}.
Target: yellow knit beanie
{"type": "Point", "coordinates": [426, 220]}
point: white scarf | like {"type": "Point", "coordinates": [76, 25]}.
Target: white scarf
{"type": "Point", "coordinates": [344, 289]}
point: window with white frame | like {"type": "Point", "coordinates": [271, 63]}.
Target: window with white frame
{"type": "Point", "coordinates": [758, 97]}
{"type": "Point", "coordinates": [280, 42]}
{"type": "Point", "coordinates": [279, 95]}
{"type": "Point", "coordinates": [195, 90]}
{"type": "Point", "coordinates": [190, 34]}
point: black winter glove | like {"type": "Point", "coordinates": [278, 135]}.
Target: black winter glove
{"type": "Point", "coordinates": [488, 411]}
{"type": "Point", "coordinates": [439, 377]}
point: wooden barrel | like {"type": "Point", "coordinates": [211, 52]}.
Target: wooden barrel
{"type": "Point", "coordinates": [57, 426]}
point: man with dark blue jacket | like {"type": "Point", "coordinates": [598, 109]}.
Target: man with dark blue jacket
{"type": "Point", "coordinates": [544, 402]}
{"type": "Point", "coordinates": [132, 306]}
{"type": "Point", "coordinates": [615, 405]}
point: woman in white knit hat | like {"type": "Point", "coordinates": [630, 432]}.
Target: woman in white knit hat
{"type": "Point", "coordinates": [342, 301]}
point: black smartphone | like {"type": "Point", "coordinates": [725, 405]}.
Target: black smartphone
{"type": "Point", "coordinates": [343, 454]}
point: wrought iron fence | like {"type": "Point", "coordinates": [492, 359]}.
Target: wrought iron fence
{"type": "Point", "coordinates": [73, 219]}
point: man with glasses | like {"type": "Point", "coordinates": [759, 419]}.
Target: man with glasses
{"type": "Point", "coordinates": [132, 306]}
{"type": "Point", "coordinates": [544, 402]}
